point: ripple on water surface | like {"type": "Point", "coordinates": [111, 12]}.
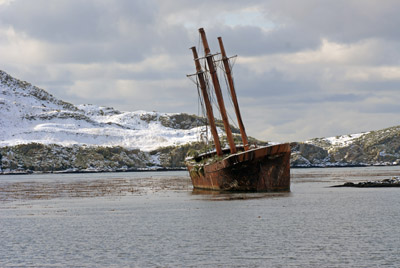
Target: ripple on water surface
{"type": "Point", "coordinates": [152, 220]}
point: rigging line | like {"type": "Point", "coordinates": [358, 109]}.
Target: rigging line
{"type": "Point", "coordinates": [200, 131]}
{"type": "Point", "coordinates": [214, 101]}
{"type": "Point", "coordinates": [205, 66]}
{"type": "Point", "coordinates": [200, 106]}
{"type": "Point", "coordinates": [234, 123]}
{"type": "Point", "coordinates": [231, 68]}
{"type": "Point", "coordinates": [211, 93]}
{"type": "Point", "coordinates": [208, 84]}
{"type": "Point", "coordinates": [199, 44]}
{"type": "Point", "coordinates": [214, 104]}
{"type": "Point", "coordinates": [193, 79]}
{"type": "Point", "coordinates": [204, 116]}
{"type": "Point", "coordinates": [211, 90]}
{"type": "Point", "coordinates": [227, 87]}
{"type": "Point", "coordinates": [200, 99]}
{"type": "Point", "coordinates": [233, 82]}
{"type": "Point", "coordinates": [233, 63]}
{"type": "Point", "coordinates": [205, 72]}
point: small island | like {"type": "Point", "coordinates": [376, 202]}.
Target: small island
{"type": "Point", "coordinates": [392, 182]}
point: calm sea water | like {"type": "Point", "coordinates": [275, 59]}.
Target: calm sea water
{"type": "Point", "coordinates": [161, 222]}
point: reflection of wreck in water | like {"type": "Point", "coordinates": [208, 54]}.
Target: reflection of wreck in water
{"type": "Point", "coordinates": [213, 195]}
{"type": "Point", "coordinates": [240, 168]}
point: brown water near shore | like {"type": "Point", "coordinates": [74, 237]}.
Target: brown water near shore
{"type": "Point", "coordinates": [30, 190]}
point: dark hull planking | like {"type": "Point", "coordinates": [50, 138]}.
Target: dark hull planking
{"type": "Point", "coordinates": [263, 169]}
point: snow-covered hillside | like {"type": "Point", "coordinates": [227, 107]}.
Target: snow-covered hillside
{"type": "Point", "coordinates": [29, 114]}
{"type": "Point", "coordinates": [39, 133]}
{"type": "Point", "coordinates": [380, 147]}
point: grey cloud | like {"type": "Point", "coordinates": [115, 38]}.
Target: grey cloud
{"type": "Point", "coordinates": [379, 108]}
{"type": "Point", "coordinates": [305, 24]}
{"type": "Point", "coordinates": [71, 21]}
{"type": "Point", "coordinates": [341, 20]}
{"type": "Point", "coordinates": [273, 84]}
{"type": "Point", "coordinates": [78, 35]}
{"type": "Point", "coordinates": [91, 31]}
{"type": "Point", "coordinates": [351, 97]}
{"type": "Point", "coordinates": [252, 40]}
{"type": "Point", "coordinates": [59, 21]}
{"type": "Point", "coordinates": [377, 87]}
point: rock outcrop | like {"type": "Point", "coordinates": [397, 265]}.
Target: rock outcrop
{"type": "Point", "coordinates": [380, 147]}
{"type": "Point", "coordinates": [392, 182]}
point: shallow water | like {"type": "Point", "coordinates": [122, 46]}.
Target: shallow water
{"type": "Point", "coordinates": [155, 219]}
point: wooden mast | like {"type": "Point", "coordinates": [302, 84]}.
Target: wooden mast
{"type": "Point", "coordinates": [210, 114]}
{"type": "Point", "coordinates": [217, 88]}
{"type": "Point", "coordinates": [228, 72]}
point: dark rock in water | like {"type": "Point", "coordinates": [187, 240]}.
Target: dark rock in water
{"type": "Point", "coordinates": [392, 182]}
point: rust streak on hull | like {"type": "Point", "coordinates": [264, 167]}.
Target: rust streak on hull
{"type": "Point", "coordinates": [263, 169]}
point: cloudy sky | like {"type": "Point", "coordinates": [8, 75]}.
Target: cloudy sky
{"type": "Point", "coordinates": [305, 69]}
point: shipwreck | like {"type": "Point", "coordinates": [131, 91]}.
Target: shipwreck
{"type": "Point", "coordinates": [240, 167]}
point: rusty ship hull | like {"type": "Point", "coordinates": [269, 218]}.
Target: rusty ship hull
{"type": "Point", "coordinates": [260, 169]}
{"type": "Point", "coordinates": [264, 169]}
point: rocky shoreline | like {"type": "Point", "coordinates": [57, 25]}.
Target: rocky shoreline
{"type": "Point", "coordinates": [41, 158]}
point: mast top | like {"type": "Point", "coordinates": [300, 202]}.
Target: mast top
{"type": "Point", "coordinates": [204, 40]}
{"type": "Point", "coordinates": [223, 53]}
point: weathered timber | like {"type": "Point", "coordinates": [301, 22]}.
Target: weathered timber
{"type": "Point", "coordinates": [229, 77]}
{"type": "Point", "coordinates": [218, 92]}
{"type": "Point", "coordinates": [262, 169]}
{"type": "Point", "coordinates": [206, 98]}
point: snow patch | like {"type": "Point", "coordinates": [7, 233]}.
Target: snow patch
{"type": "Point", "coordinates": [29, 114]}
{"type": "Point", "coordinates": [343, 140]}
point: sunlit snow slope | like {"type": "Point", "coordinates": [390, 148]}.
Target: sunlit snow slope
{"type": "Point", "coordinates": [30, 114]}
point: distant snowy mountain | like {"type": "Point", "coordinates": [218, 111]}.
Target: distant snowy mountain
{"type": "Point", "coordinates": [29, 114]}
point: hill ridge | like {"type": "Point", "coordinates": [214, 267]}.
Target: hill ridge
{"type": "Point", "coordinates": [40, 133]}
{"type": "Point", "coordinates": [29, 114]}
